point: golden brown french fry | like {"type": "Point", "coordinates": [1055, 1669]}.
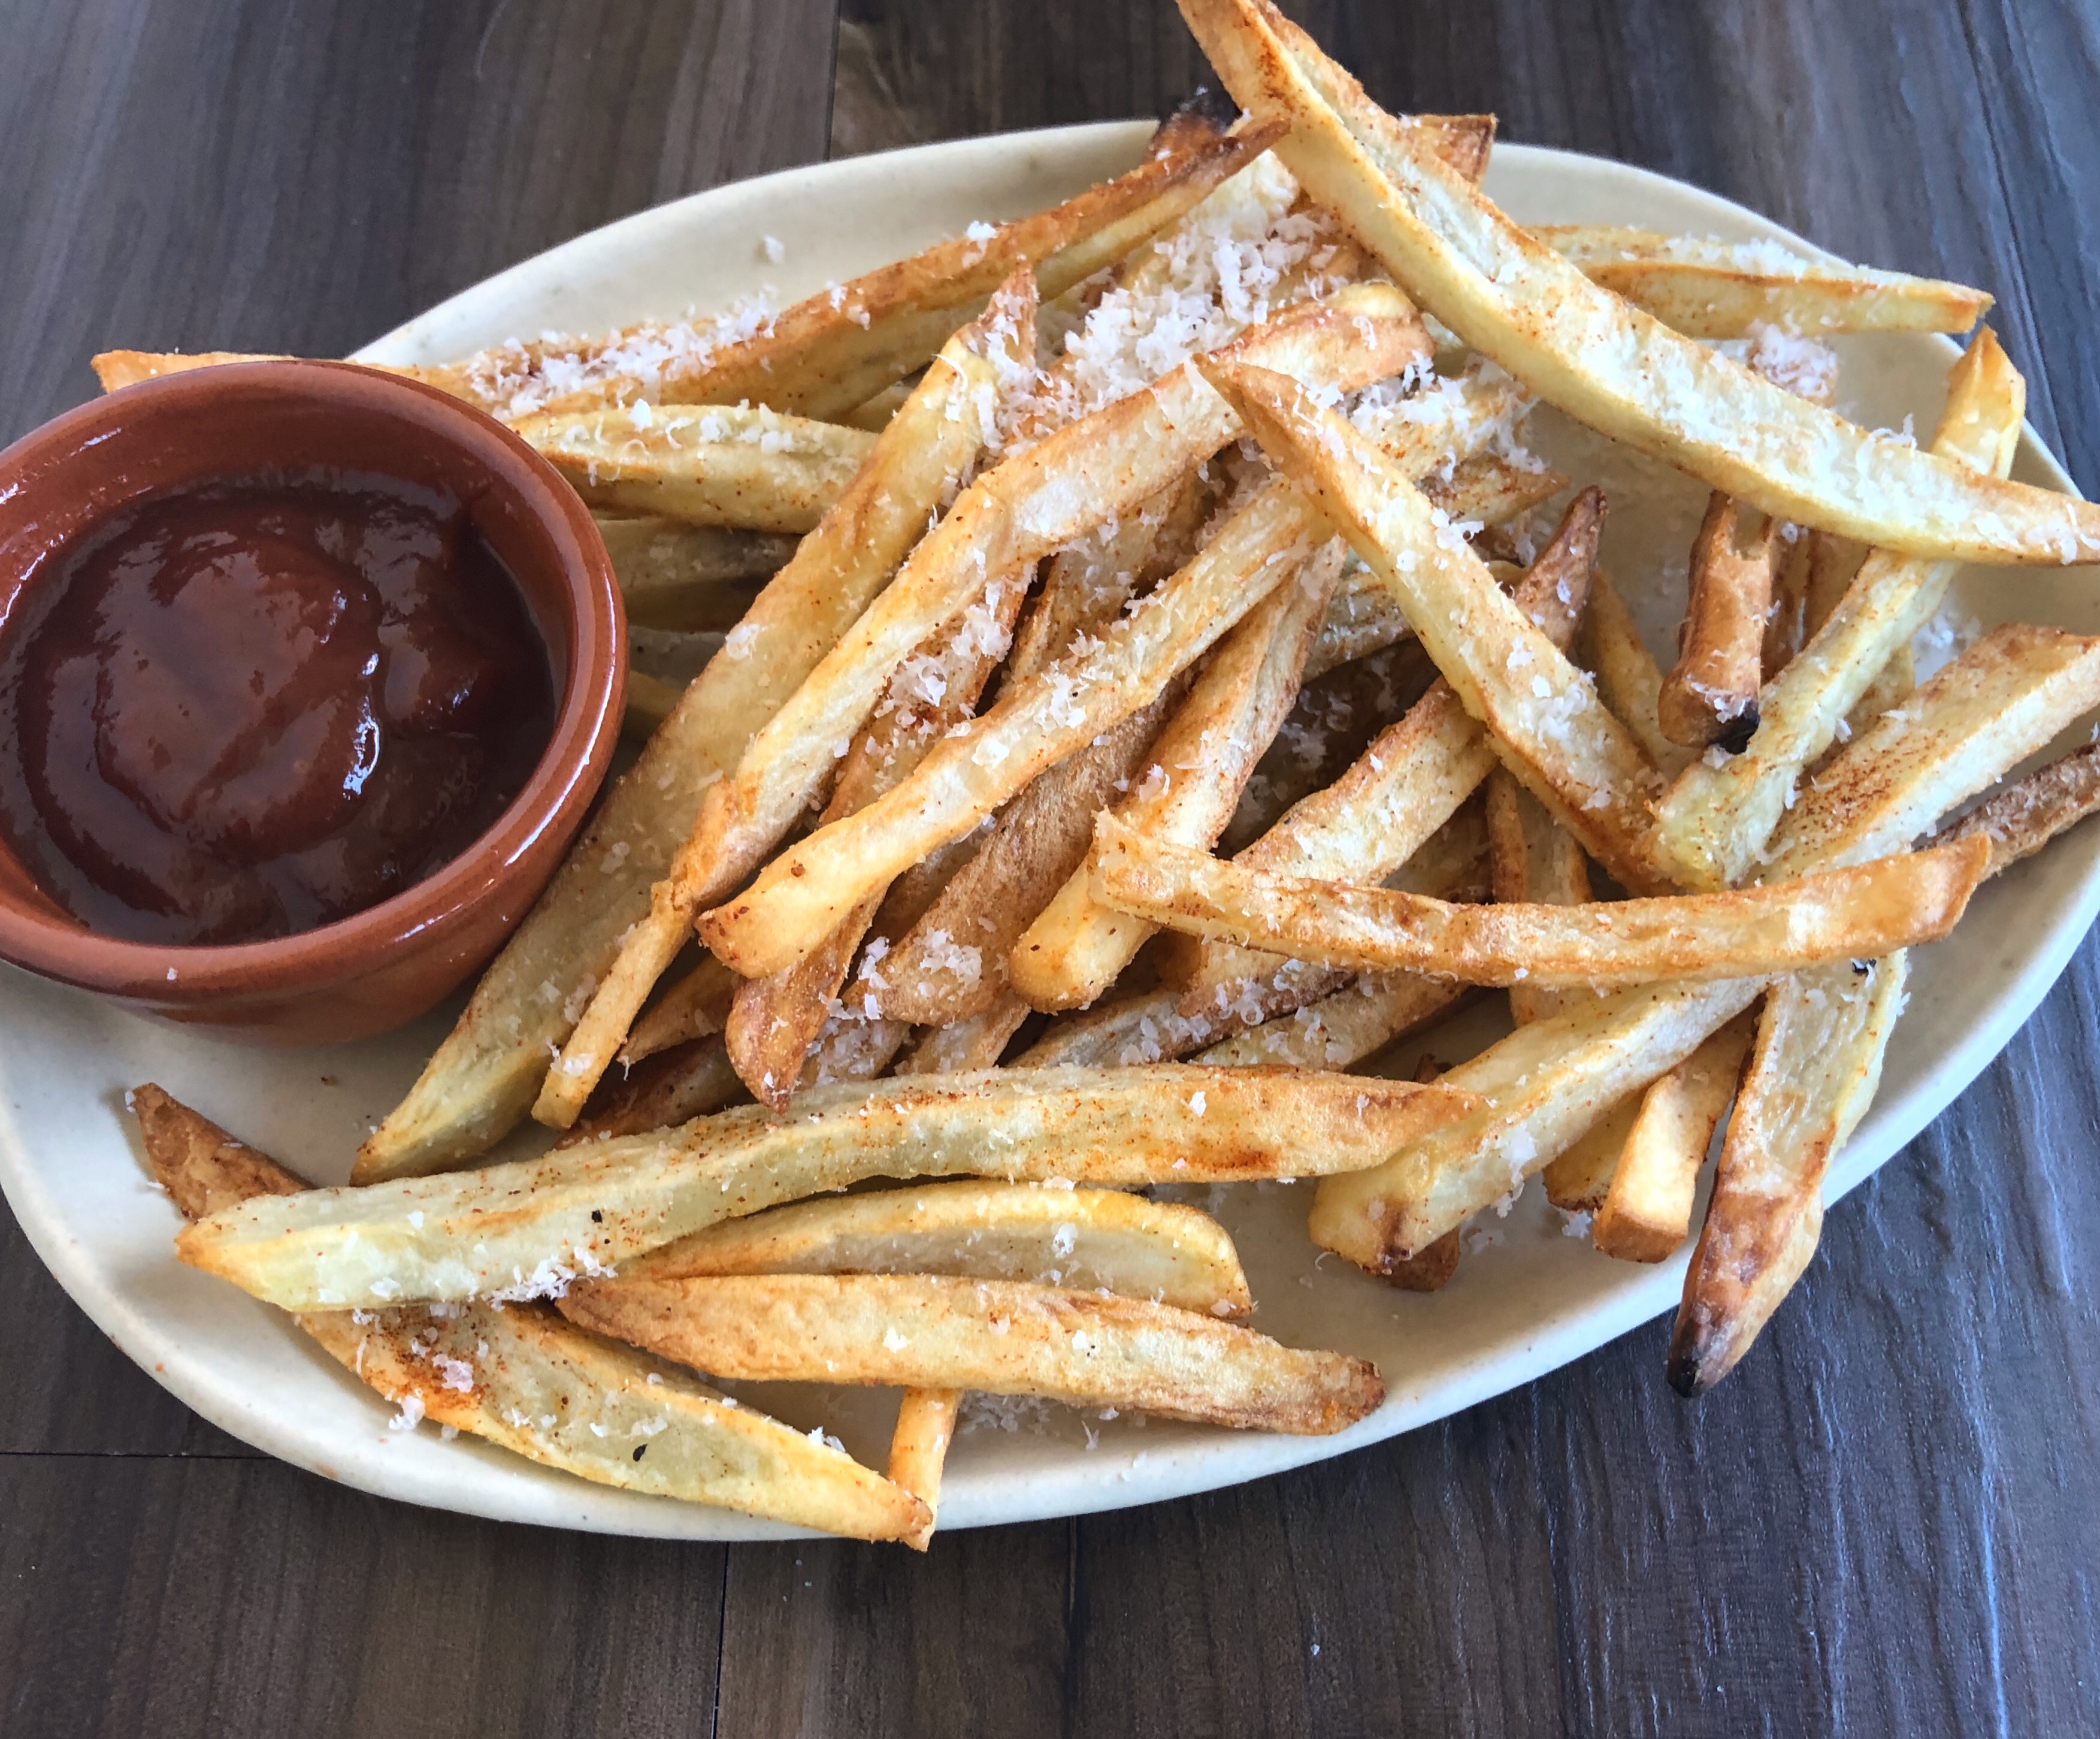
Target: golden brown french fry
{"type": "Point", "coordinates": [835, 576]}
{"type": "Point", "coordinates": [977, 1041]}
{"type": "Point", "coordinates": [1532, 862]}
{"type": "Point", "coordinates": [1720, 289]}
{"type": "Point", "coordinates": [1105, 465]}
{"type": "Point", "coordinates": [2026, 816]}
{"type": "Point", "coordinates": [1143, 1027]}
{"type": "Point", "coordinates": [2000, 702]}
{"type": "Point", "coordinates": [1340, 1030]}
{"type": "Point", "coordinates": [694, 1007]}
{"type": "Point", "coordinates": [1576, 1181]}
{"type": "Point", "coordinates": [1646, 1214]}
{"type": "Point", "coordinates": [1714, 820]}
{"type": "Point", "coordinates": [1543, 715]}
{"type": "Point", "coordinates": [674, 1086]}
{"type": "Point", "coordinates": [526, 1381]}
{"type": "Point", "coordinates": [1604, 362]}
{"type": "Point", "coordinates": [850, 1049]}
{"type": "Point", "coordinates": [712, 464]}
{"type": "Point", "coordinates": [1000, 1337]}
{"type": "Point", "coordinates": [674, 575]}
{"type": "Point", "coordinates": [919, 1450]}
{"type": "Point", "coordinates": [1710, 694]}
{"type": "Point", "coordinates": [1818, 1061]}
{"type": "Point", "coordinates": [1411, 778]}
{"type": "Point", "coordinates": [1092, 1240]}
{"type": "Point", "coordinates": [1777, 926]}
{"type": "Point", "coordinates": [1628, 679]}
{"type": "Point", "coordinates": [579, 1211]}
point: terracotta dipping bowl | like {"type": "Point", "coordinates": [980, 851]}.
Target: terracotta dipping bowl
{"type": "Point", "coordinates": [391, 962]}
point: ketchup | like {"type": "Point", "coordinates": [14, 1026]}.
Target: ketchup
{"type": "Point", "coordinates": [257, 706]}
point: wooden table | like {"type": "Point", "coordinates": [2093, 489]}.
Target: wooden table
{"type": "Point", "coordinates": [1888, 1521]}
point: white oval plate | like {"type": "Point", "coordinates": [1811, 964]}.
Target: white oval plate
{"type": "Point", "coordinates": [1527, 1299]}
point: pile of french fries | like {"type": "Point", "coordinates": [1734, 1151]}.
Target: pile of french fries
{"type": "Point", "coordinates": [1025, 561]}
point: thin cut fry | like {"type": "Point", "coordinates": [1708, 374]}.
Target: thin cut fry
{"type": "Point", "coordinates": [1543, 715]}
{"type": "Point", "coordinates": [1715, 820]}
{"type": "Point", "coordinates": [1710, 694]}
{"type": "Point", "coordinates": [1092, 1240]}
{"type": "Point", "coordinates": [1623, 372]}
{"type": "Point", "coordinates": [919, 1451]}
{"type": "Point", "coordinates": [1818, 1061]}
{"type": "Point", "coordinates": [713, 465]}
{"type": "Point", "coordinates": [1542, 1087]}
{"type": "Point", "coordinates": [1850, 913]}
{"type": "Point", "coordinates": [2025, 817]}
{"type": "Point", "coordinates": [1000, 1337]}
{"type": "Point", "coordinates": [1647, 1215]}
{"type": "Point", "coordinates": [526, 1381]}
{"type": "Point", "coordinates": [1721, 289]}
{"type": "Point", "coordinates": [580, 1210]}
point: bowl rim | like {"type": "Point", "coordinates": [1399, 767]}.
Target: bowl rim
{"type": "Point", "coordinates": [587, 712]}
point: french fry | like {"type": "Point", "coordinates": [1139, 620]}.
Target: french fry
{"type": "Point", "coordinates": [1542, 1087]}
{"type": "Point", "coordinates": [1340, 1030]}
{"type": "Point", "coordinates": [650, 701]}
{"type": "Point", "coordinates": [1646, 1214]}
{"type": "Point", "coordinates": [1602, 361]}
{"type": "Point", "coordinates": [1144, 1026]}
{"type": "Point", "coordinates": [674, 575]}
{"type": "Point", "coordinates": [1997, 703]}
{"type": "Point", "coordinates": [1543, 716]}
{"type": "Point", "coordinates": [835, 576]}
{"type": "Point", "coordinates": [1000, 1337]}
{"type": "Point", "coordinates": [1818, 1061]}
{"type": "Point", "coordinates": [1089, 1240]}
{"type": "Point", "coordinates": [1777, 926]}
{"type": "Point", "coordinates": [1628, 680]}
{"type": "Point", "coordinates": [2026, 816]}
{"type": "Point", "coordinates": [600, 911]}
{"type": "Point", "coordinates": [1532, 862]}
{"type": "Point", "coordinates": [694, 1007]}
{"type": "Point", "coordinates": [1100, 467]}
{"type": "Point", "coordinates": [835, 350]}
{"type": "Point", "coordinates": [1577, 1179]}
{"type": "Point", "coordinates": [526, 1381]}
{"type": "Point", "coordinates": [116, 369]}
{"type": "Point", "coordinates": [580, 1210]}
{"type": "Point", "coordinates": [919, 1450]}
{"type": "Point", "coordinates": [1721, 289]}
{"type": "Point", "coordinates": [674, 1086]}
{"type": "Point", "coordinates": [712, 464]}
{"type": "Point", "coordinates": [1710, 694]}
{"type": "Point", "coordinates": [977, 1041]}
{"type": "Point", "coordinates": [1412, 777]}
{"type": "Point", "coordinates": [1714, 820]}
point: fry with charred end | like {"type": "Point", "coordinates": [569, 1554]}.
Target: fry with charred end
{"type": "Point", "coordinates": [524, 1379]}
{"type": "Point", "coordinates": [1706, 288]}
{"type": "Point", "coordinates": [836, 574]}
{"type": "Point", "coordinates": [1714, 821]}
{"type": "Point", "coordinates": [1818, 1061]}
{"type": "Point", "coordinates": [1541, 1087]}
{"type": "Point", "coordinates": [1646, 1216]}
{"type": "Point", "coordinates": [1543, 715]}
{"type": "Point", "coordinates": [1710, 694]}
{"type": "Point", "coordinates": [1095, 1240]}
{"type": "Point", "coordinates": [919, 1450]}
{"type": "Point", "coordinates": [580, 1210]}
{"type": "Point", "coordinates": [2000, 702]}
{"type": "Point", "coordinates": [1777, 926]}
{"type": "Point", "coordinates": [1605, 363]}
{"type": "Point", "coordinates": [2025, 817]}
{"type": "Point", "coordinates": [1000, 1337]}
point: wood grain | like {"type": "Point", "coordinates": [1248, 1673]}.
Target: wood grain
{"type": "Point", "coordinates": [1884, 1522]}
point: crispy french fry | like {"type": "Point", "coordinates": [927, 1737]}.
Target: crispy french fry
{"type": "Point", "coordinates": [1576, 1181]}
{"type": "Point", "coordinates": [1818, 1061]}
{"type": "Point", "coordinates": [1340, 1030]}
{"type": "Point", "coordinates": [1722, 290]}
{"type": "Point", "coordinates": [1715, 820]}
{"type": "Point", "coordinates": [527, 1381]}
{"type": "Point", "coordinates": [1604, 362]}
{"type": "Point", "coordinates": [1412, 777]}
{"type": "Point", "coordinates": [694, 1007]}
{"type": "Point", "coordinates": [1612, 650]}
{"type": "Point", "coordinates": [1532, 862]}
{"type": "Point", "coordinates": [1543, 715]}
{"type": "Point", "coordinates": [580, 1210]}
{"type": "Point", "coordinates": [1143, 1027]}
{"type": "Point", "coordinates": [1000, 1337]}
{"type": "Point", "coordinates": [1997, 703]}
{"type": "Point", "coordinates": [977, 1041]}
{"type": "Point", "coordinates": [1100, 467]}
{"type": "Point", "coordinates": [1710, 694]}
{"type": "Point", "coordinates": [1646, 1214]}
{"type": "Point", "coordinates": [711, 465]}
{"type": "Point", "coordinates": [674, 1086]}
{"type": "Point", "coordinates": [1778, 926]}
{"type": "Point", "coordinates": [919, 1450]}
{"type": "Point", "coordinates": [674, 575]}
{"type": "Point", "coordinates": [2025, 817]}
{"type": "Point", "coordinates": [836, 574]}
{"type": "Point", "coordinates": [1092, 1240]}
{"type": "Point", "coordinates": [1542, 1087]}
